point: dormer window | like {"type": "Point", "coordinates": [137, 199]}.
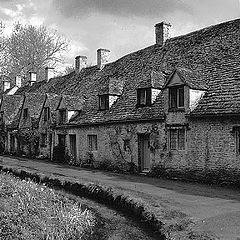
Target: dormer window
{"type": "Point", "coordinates": [176, 97]}
{"type": "Point", "coordinates": [62, 116]}
{"type": "Point", "coordinates": [103, 102]}
{"type": "Point", "coordinates": [25, 113]}
{"type": "Point", "coordinates": [46, 114]}
{"type": "Point", "coordinates": [144, 97]}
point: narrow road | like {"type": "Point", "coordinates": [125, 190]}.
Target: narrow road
{"type": "Point", "coordinates": [211, 208]}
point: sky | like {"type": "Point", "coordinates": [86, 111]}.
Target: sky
{"type": "Point", "coordinates": [122, 26]}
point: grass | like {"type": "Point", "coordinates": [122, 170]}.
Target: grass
{"type": "Point", "coordinates": [32, 211]}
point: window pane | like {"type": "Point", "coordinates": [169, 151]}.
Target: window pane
{"type": "Point", "coordinates": [103, 102]}
{"type": "Point", "coordinates": [181, 139]}
{"type": "Point", "coordinates": [173, 139]}
{"type": "Point", "coordinates": [173, 97]}
{"type": "Point", "coordinates": [142, 97]}
{"type": "Point", "coordinates": [181, 97]}
{"type": "Point", "coordinates": [92, 142]}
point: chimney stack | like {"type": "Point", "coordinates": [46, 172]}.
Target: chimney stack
{"type": "Point", "coordinates": [18, 81]}
{"type": "Point", "coordinates": [162, 32]}
{"type": "Point", "coordinates": [49, 73]}
{"type": "Point", "coordinates": [6, 84]}
{"type": "Point", "coordinates": [103, 56]}
{"type": "Point", "coordinates": [33, 77]}
{"type": "Point", "coordinates": [80, 63]}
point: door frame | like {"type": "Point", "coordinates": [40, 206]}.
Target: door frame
{"type": "Point", "coordinates": [142, 137]}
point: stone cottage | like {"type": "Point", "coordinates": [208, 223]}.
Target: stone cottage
{"type": "Point", "coordinates": [174, 103]}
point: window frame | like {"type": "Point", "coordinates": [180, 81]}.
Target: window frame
{"type": "Point", "coordinates": [104, 106]}
{"type": "Point", "coordinates": [92, 142]}
{"type": "Point", "coordinates": [25, 113]}
{"type": "Point", "coordinates": [147, 97]}
{"type": "Point", "coordinates": [62, 116]}
{"type": "Point", "coordinates": [237, 141]}
{"type": "Point", "coordinates": [176, 141]}
{"type": "Point", "coordinates": [176, 91]}
{"type": "Point", "coordinates": [46, 114]}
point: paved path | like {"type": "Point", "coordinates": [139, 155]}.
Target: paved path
{"type": "Point", "coordinates": [213, 208]}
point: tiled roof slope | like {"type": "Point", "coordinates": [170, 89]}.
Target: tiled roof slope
{"type": "Point", "coordinates": [212, 52]}
{"type": "Point", "coordinates": [11, 105]}
{"type": "Point", "coordinates": [72, 103]}
{"type": "Point", "coordinates": [53, 101]}
{"type": "Point", "coordinates": [34, 102]}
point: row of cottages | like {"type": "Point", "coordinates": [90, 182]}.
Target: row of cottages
{"type": "Point", "coordinates": [175, 103]}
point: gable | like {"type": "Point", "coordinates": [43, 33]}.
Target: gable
{"type": "Point", "coordinates": [175, 80]}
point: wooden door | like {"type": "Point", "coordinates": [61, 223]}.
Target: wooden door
{"type": "Point", "coordinates": [73, 146]}
{"type": "Point", "coordinates": [12, 143]}
{"type": "Point", "coordinates": [144, 152]}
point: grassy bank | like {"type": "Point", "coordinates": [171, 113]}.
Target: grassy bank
{"type": "Point", "coordinates": [32, 211]}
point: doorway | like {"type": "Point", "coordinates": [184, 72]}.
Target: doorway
{"type": "Point", "coordinates": [73, 145]}
{"type": "Point", "coordinates": [144, 152]}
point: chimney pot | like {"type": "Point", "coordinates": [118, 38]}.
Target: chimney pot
{"type": "Point", "coordinates": [6, 85]}
{"type": "Point", "coordinates": [162, 32]}
{"type": "Point", "coordinates": [80, 63]}
{"type": "Point", "coordinates": [33, 77]}
{"type": "Point", "coordinates": [49, 73]}
{"type": "Point", "coordinates": [103, 56]}
{"type": "Point", "coordinates": [18, 81]}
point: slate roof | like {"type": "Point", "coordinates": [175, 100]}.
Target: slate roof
{"type": "Point", "coordinates": [34, 102]}
{"type": "Point", "coordinates": [72, 103]}
{"type": "Point", "coordinates": [11, 105]}
{"type": "Point", "coordinates": [207, 57]}
{"type": "Point", "coordinates": [53, 101]}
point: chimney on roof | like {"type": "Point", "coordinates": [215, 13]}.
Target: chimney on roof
{"type": "Point", "coordinates": [162, 32]}
{"type": "Point", "coordinates": [6, 84]}
{"type": "Point", "coordinates": [103, 56]}
{"type": "Point", "coordinates": [18, 81]}
{"type": "Point", "coordinates": [80, 63]}
{"type": "Point", "coordinates": [49, 73]}
{"type": "Point", "coordinates": [32, 77]}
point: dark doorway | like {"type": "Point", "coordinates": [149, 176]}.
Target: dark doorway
{"type": "Point", "coordinates": [73, 146]}
{"type": "Point", "coordinates": [144, 152]}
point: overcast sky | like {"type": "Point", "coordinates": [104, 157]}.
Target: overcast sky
{"type": "Point", "coordinates": [121, 26]}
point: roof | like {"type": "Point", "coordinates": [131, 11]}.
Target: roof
{"type": "Point", "coordinates": [71, 103]}
{"type": "Point", "coordinates": [11, 106]}
{"type": "Point", "coordinates": [207, 57]}
{"type": "Point", "coordinates": [34, 103]}
{"type": "Point", "coordinates": [53, 101]}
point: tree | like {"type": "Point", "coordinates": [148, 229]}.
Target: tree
{"type": "Point", "coordinates": [32, 48]}
{"type": "Point", "coordinates": [2, 47]}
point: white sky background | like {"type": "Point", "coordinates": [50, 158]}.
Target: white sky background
{"type": "Point", "coordinates": [121, 26]}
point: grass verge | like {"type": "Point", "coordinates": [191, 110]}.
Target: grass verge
{"type": "Point", "coordinates": [32, 211]}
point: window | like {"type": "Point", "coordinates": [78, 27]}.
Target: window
{"type": "Point", "coordinates": [61, 140]}
{"type": "Point", "coordinates": [144, 96]}
{"type": "Point", "coordinates": [1, 117]}
{"type": "Point", "coordinates": [237, 134]}
{"type": "Point", "coordinates": [62, 116]}
{"type": "Point", "coordinates": [176, 96]}
{"type": "Point", "coordinates": [92, 142]}
{"type": "Point", "coordinates": [25, 113]}
{"type": "Point", "coordinates": [126, 145]}
{"type": "Point", "coordinates": [46, 114]}
{"type": "Point", "coordinates": [103, 102]}
{"type": "Point", "coordinates": [43, 140]}
{"type": "Point", "coordinates": [177, 139]}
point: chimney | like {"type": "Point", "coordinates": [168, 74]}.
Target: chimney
{"type": "Point", "coordinates": [103, 56]}
{"type": "Point", "coordinates": [18, 81]}
{"type": "Point", "coordinates": [162, 32]}
{"type": "Point", "coordinates": [49, 73]}
{"type": "Point", "coordinates": [80, 63]}
{"type": "Point", "coordinates": [33, 77]}
{"type": "Point", "coordinates": [6, 85]}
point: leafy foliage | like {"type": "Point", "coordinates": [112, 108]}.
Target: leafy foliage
{"type": "Point", "coordinates": [33, 48]}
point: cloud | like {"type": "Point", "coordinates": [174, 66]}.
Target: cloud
{"type": "Point", "coordinates": [150, 8]}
